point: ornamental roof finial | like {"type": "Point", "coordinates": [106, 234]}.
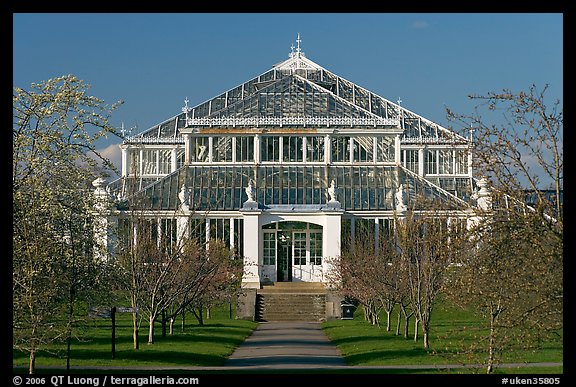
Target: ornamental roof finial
{"type": "Point", "coordinates": [298, 42]}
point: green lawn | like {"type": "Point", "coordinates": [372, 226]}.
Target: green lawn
{"type": "Point", "coordinates": [363, 344]}
{"type": "Point", "coordinates": [207, 345]}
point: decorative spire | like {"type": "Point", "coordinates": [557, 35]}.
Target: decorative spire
{"type": "Point", "coordinates": [186, 109]}
{"type": "Point", "coordinates": [298, 53]}
{"type": "Point", "coordinates": [298, 42]}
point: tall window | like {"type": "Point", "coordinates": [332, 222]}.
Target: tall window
{"type": "Point", "coordinates": [292, 148]}
{"type": "Point", "coordinates": [199, 149]}
{"type": "Point", "coordinates": [165, 164]}
{"type": "Point", "coordinates": [409, 158]}
{"type": "Point", "coordinates": [445, 161]}
{"type": "Point", "coordinates": [385, 149]}
{"type": "Point", "coordinates": [270, 148]}
{"type": "Point", "coordinates": [244, 149]}
{"type": "Point", "coordinates": [340, 149]}
{"type": "Point", "coordinates": [430, 164]}
{"type": "Point", "coordinates": [315, 149]}
{"type": "Point", "coordinates": [134, 162]}
{"type": "Point", "coordinates": [363, 148]}
{"type": "Point", "coordinates": [269, 248]}
{"type": "Point", "coordinates": [222, 149]}
{"type": "Point", "coordinates": [180, 155]}
{"type": "Point", "coordinates": [169, 235]}
{"type": "Point", "coordinates": [299, 252]}
{"type": "Point", "coordinates": [315, 248]}
{"type": "Point", "coordinates": [461, 162]}
{"type": "Point", "coordinates": [149, 160]}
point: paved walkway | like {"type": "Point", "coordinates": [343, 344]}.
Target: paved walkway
{"type": "Point", "coordinates": [297, 346]}
{"type": "Point", "coordinates": [286, 345]}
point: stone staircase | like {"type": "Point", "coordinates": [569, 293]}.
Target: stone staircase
{"type": "Point", "coordinates": [291, 301]}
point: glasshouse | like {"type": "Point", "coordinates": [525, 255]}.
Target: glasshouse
{"type": "Point", "coordinates": [286, 168]}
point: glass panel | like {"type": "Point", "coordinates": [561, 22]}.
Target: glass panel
{"type": "Point", "coordinates": [299, 252]}
{"type": "Point", "coordinates": [363, 149]}
{"type": "Point", "coordinates": [316, 248]}
{"type": "Point", "coordinates": [292, 148]}
{"type": "Point", "coordinates": [315, 149]}
{"type": "Point", "coordinates": [340, 149]}
{"type": "Point", "coordinates": [270, 148]}
{"type": "Point", "coordinates": [269, 248]}
{"type": "Point", "coordinates": [180, 154]}
{"type": "Point", "coordinates": [410, 159]}
{"type": "Point", "coordinates": [222, 151]}
{"type": "Point", "coordinates": [461, 166]}
{"type": "Point", "coordinates": [165, 161]}
{"type": "Point", "coordinates": [445, 161]}
{"type": "Point", "coordinates": [169, 235]}
{"type": "Point", "coordinates": [385, 148]}
{"type": "Point", "coordinates": [239, 236]}
{"type": "Point", "coordinates": [199, 149]}
{"type": "Point", "coordinates": [149, 159]}
{"type": "Point", "coordinates": [134, 162]}
{"type": "Point", "coordinates": [244, 149]}
{"type": "Point", "coordinates": [430, 165]}
{"type": "Point", "coordinates": [220, 229]}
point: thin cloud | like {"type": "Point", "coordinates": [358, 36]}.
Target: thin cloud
{"type": "Point", "coordinates": [420, 24]}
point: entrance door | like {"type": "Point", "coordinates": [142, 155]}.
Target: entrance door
{"type": "Point", "coordinates": [307, 256]}
{"type": "Point", "coordinates": [292, 252]}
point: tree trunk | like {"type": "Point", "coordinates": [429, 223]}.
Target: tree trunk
{"type": "Point", "coordinates": [416, 322]}
{"type": "Point", "coordinates": [398, 323]}
{"type": "Point", "coordinates": [171, 327]}
{"type": "Point", "coordinates": [491, 344]}
{"type": "Point", "coordinates": [426, 342]}
{"type": "Point", "coordinates": [406, 325]}
{"type": "Point", "coordinates": [151, 330]}
{"type": "Point", "coordinates": [32, 362]}
{"type": "Point", "coordinates": [135, 330]}
{"type": "Point", "coordinates": [183, 321]}
{"type": "Point", "coordinates": [208, 314]}
{"type": "Point", "coordinates": [388, 319]}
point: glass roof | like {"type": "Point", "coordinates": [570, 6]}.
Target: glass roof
{"type": "Point", "coordinates": [298, 88]}
{"type": "Point", "coordinates": [360, 188]}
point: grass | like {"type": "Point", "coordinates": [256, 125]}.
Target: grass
{"type": "Point", "coordinates": [207, 345]}
{"type": "Point", "coordinates": [360, 343]}
{"type": "Point", "coordinates": [363, 344]}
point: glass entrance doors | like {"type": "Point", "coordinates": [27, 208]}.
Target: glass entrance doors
{"type": "Point", "coordinates": [292, 252]}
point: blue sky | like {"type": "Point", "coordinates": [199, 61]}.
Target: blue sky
{"type": "Point", "coordinates": [153, 61]}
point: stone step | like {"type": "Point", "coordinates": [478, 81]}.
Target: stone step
{"type": "Point", "coordinates": [291, 302]}
{"type": "Point", "coordinates": [294, 287]}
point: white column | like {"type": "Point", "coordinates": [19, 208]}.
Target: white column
{"type": "Point", "coordinates": [397, 149]}
{"type": "Point", "coordinates": [232, 244]}
{"type": "Point", "coordinates": [105, 224]}
{"type": "Point", "coordinates": [207, 231]}
{"type": "Point", "coordinates": [210, 148]}
{"type": "Point", "coordinates": [331, 244]}
{"type": "Point", "coordinates": [252, 246]}
{"type": "Point", "coordinates": [327, 149]}
{"type": "Point", "coordinates": [352, 145]}
{"type": "Point", "coordinates": [377, 235]}
{"type": "Point", "coordinates": [421, 154]}
{"type": "Point", "coordinates": [173, 160]}
{"type": "Point", "coordinates": [187, 147]}
{"type": "Point", "coordinates": [125, 166]}
{"type": "Point", "coordinates": [257, 153]}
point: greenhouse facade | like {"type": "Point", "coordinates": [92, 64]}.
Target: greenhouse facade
{"type": "Point", "coordinates": [286, 168]}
